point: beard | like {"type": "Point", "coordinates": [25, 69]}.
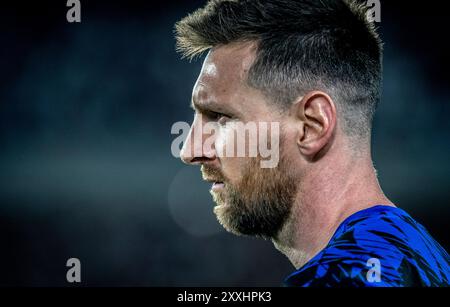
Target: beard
{"type": "Point", "coordinates": [260, 203]}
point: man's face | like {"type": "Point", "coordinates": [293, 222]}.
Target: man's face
{"type": "Point", "coordinates": [251, 200]}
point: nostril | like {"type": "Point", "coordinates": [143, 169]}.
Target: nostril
{"type": "Point", "coordinates": [197, 160]}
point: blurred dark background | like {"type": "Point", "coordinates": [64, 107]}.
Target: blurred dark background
{"type": "Point", "coordinates": [86, 169]}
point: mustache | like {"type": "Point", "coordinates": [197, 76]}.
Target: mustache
{"type": "Point", "coordinates": [212, 174]}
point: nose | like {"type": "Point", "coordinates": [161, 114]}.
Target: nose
{"type": "Point", "coordinates": [194, 152]}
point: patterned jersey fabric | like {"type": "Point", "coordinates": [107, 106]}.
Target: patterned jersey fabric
{"type": "Point", "coordinates": [377, 247]}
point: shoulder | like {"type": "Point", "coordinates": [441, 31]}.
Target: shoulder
{"type": "Point", "coordinates": [382, 246]}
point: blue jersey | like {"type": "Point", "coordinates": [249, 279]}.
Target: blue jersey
{"type": "Point", "coordinates": [377, 247]}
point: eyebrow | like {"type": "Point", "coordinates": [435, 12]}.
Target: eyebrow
{"type": "Point", "coordinates": [211, 106]}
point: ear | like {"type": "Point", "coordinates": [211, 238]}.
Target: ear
{"type": "Point", "coordinates": [316, 115]}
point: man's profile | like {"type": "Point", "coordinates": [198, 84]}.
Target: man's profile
{"type": "Point", "coordinates": [314, 67]}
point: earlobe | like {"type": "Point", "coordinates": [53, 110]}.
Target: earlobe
{"type": "Point", "coordinates": [317, 112]}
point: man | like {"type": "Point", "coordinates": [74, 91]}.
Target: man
{"type": "Point", "coordinates": [313, 67]}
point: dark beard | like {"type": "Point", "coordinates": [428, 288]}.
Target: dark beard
{"type": "Point", "coordinates": [260, 204]}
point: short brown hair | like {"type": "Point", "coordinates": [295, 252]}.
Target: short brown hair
{"type": "Point", "coordinates": [303, 45]}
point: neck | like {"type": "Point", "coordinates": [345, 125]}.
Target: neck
{"type": "Point", "coordinates": [327, 196]}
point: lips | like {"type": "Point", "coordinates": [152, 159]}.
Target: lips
{"type": "Point", "coordinates": [212, 179]}
{"type": "Point", "coordinates": [217, 185]}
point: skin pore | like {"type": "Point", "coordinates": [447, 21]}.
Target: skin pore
{"type": "Point", "coordinates": [322, 177]}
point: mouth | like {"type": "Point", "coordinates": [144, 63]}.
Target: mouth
{"type": "Point", "coordinates": [216, 185]}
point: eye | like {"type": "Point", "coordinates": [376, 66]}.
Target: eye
{"type": "Point", "coordinates": [220, 117]}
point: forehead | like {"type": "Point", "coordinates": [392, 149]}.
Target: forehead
{"type": "Point", "coordinates": [229, 62]}
{"type": "Point", "coordinates": [224, 73]}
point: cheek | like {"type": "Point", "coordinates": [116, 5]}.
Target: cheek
{"type": "Point", "coordinates": [224, 142]}
{"type": "Point", "coordinates": [238, 140]}
{"type": "Point", "coordinates": [220, 143]}
{"type": "Point", "coordinates": [231, 166]}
